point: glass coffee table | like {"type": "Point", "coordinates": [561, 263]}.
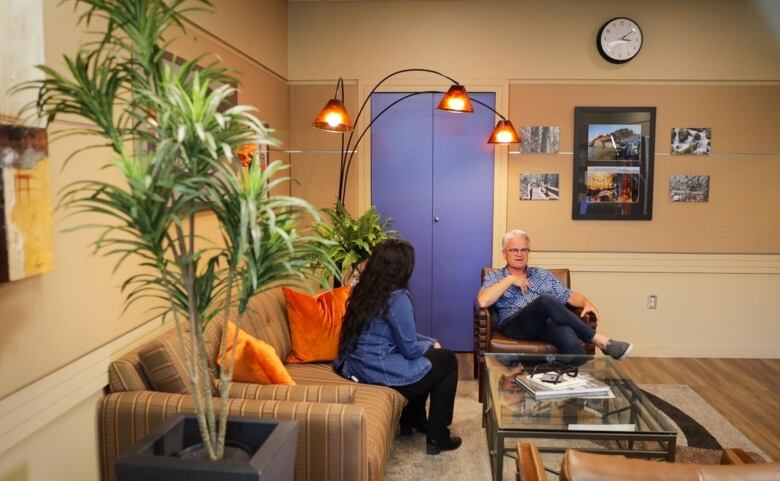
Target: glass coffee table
{"type": "Point", "coordinates": [625, 422]}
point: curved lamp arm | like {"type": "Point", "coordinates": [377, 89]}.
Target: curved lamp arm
{"type": "Point", "coordinates": [348, 156]}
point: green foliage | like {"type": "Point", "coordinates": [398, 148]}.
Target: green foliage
{"type": "Point", "coordinates": [352, 240]}
{"type": "Point", "coordinates": [120, 86]}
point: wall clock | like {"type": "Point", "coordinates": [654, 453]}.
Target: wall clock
{"type": "Point", "coordinates": [619, 40]}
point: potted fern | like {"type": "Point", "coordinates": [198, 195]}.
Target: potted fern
{"type": "Point", "coordinates": [352, 239]}
{"type": "Point", "coordinates": [185, 135]}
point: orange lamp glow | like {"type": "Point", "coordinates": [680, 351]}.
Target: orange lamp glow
{"type": "Point", "coordinates": [456, 100]}
{"type": "Point", "coordinates": [333, 117]}
{"type": "Point", "coordinates": [504, 133]}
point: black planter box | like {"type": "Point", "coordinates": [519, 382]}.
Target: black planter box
{"type": "Point", "coordinates": [272, 443]}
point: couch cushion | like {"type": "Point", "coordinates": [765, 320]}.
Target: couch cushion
{"type": "Point", "coordinates": [383, 407]}
{"type": "Point", "coordinates": [342, 394]}
{"type": "Point", "coordinates": [163, 363]}
{"type": "Point", "coordinates": [266, 319]}
{"type": "Point", "coordinates": [315, 323]}
{"type": "Point", "coordinates": [255, 360]}
{"type": "Point", "coordinates": [126, 374]}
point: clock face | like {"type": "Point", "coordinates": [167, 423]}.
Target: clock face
{"type": "Point", "coordinates": [619, 40]}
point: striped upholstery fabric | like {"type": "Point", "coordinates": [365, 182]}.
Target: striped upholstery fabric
{"type": "Point", "coordinates": [383, 408]}
{"type": "Point", "coordinates": [266, 319]}
{"type": "Point", "coordinates": [331, 444]}
{"type": "Point", "coordinates": [163, 363]}
{"type": "Point", "coordinates": [126, 374]}
{"type": "Point", "coordinates": [346, 429]}
{"type": "Point", "coordinates": [322, 394]}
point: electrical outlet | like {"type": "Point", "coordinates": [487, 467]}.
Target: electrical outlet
{"type": "Point", "coordinates": [652, 301]}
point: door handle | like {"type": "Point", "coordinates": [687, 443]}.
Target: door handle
{"type": "Point", "coordinates": [436, 219]}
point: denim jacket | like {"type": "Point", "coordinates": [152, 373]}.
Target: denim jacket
{"type": "Point", "coordinates": [389, 351]}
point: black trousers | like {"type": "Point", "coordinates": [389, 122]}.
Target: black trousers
{"type": "Point", "coordinates": [546, 319]}
{"type": "Point", "coordinates": [440, 383]}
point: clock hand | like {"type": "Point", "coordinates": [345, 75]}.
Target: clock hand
{"type": "Point", "coordinates": [616, 42]}
{"type": "Point", "coordinates": [626, 35]}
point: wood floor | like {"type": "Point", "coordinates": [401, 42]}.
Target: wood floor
{"type": "Point", "coordinates": [744, 391]}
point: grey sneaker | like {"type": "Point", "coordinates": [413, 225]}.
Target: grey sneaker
{"type": "Point", "coordinates": [618, 349]}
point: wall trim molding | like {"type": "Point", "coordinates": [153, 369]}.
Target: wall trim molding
{"type": "Point", "coordinates": [558, 81]}
{"type": "Point", "coordinates": [39, 403]}
{"type": "Point", "coordinates": [659, 263]}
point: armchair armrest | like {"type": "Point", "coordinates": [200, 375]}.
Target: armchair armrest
{"type": "Point", "coordinates": [128, 416]}
{"type": "Point", "coordinates": [310, 393]}
{"type": "Point", "coordinates": [529, 463]}
{"type": "Point", "coordinates": [589, 319]}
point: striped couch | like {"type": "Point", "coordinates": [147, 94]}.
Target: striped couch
{"type": "Point", "coordinates": [345, 429]}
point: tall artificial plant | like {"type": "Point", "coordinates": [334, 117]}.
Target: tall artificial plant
{"type": "Point", "coordinates": [352, 239]}
{"type": "Point", "coordinates": [185, 135]}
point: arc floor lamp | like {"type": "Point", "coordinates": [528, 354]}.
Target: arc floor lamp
{"type": "Point", "coordinates": [334, 118]}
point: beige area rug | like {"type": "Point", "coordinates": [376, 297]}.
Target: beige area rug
{"type": "Point", "coordinates": [408, 460]}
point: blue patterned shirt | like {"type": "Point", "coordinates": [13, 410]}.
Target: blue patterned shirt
{"type": "Point", "coordinates": [512, 300]}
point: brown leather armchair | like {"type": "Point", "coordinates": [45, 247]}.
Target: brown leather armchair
{"type": "Point", "coordinates": [489, 339]}
{"type": "Point", "coordinates": [581, 466]}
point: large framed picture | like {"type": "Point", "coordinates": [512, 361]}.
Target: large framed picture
{"type": "Point", "coordinates": [613, 163]}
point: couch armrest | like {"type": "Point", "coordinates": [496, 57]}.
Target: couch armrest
{"type": "Point", "coordinates": [329, 393]}
{"type": "Point", "coordinates": [332, 438]}
{"type": "Point", "coordinates": [529, 463]}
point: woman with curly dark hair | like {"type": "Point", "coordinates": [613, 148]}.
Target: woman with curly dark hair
{"type": "Point", "coordinates": [379, 345]}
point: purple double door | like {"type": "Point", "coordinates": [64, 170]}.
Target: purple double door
{"type": "Point", "coordinates": [432, 174]}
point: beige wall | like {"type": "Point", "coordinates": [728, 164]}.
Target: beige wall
{"type": "Point", "coordinates": [743, 212]}
{"type": "Point", "coordinates": [256, 28]}
{"type": "Point", "coordinates": [704, 63]}
{"type": "Point", "coordinates": [316, 153]}
{"type": "Point", "coordinates": [52, 319]}
{"type": "Point", "coordinates": [526, 39]}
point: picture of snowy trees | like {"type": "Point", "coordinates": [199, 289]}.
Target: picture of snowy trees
{"type": "Point", "coordinates": [692, 141]}
{"type": "Point", "coordinates": [540, 140]}
{"type": "Point", "coordinates": [539, 187]}
{"type": "Point", "coordinates": [689, 188]}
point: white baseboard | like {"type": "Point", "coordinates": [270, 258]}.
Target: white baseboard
{"type": "Point", "coordinates": [34, 406]}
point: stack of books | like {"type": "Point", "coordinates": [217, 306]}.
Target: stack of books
{"type": "Point", "coordinates": [583, 385]}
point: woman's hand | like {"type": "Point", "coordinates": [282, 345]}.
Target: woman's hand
{"type": "Point", "coordinates": [436, 345]}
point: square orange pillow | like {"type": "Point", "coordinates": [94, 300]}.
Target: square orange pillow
{"type": "Point", "coordinates": [256, 361]}
{"type": "Point", "coordinates": [315, 323]}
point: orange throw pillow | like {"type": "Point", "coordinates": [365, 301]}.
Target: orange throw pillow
{"type": "Point", "coordinates": [256, 361]}
{"type": "Point", "coordinates": [315, 324]}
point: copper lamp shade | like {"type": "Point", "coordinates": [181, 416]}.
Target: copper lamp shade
{"type": "Point", "coordinates": [333, 117]}
{"type": "Point", "coordinates": [504, 133]}
{"type": "Point", "coordinates": [456, 100]}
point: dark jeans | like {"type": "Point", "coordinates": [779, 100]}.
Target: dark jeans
{"type": "Point", "coordinates": [546, 319]}
{"type": "Point", "coordinates": [440, 382]}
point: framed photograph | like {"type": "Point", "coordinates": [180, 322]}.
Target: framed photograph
{"type": "Point", "coordinates": [613, 163]}
{"type": "Point", "coordinates": [539, 187]}
{"type": "Point", "coordinates": [691, 140]}
{"type": "Point", "coordinates": [540, 140]}
{"type": "Point", "coordinates": [689, 188]}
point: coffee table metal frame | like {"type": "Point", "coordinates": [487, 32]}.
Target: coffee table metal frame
{"type": "Point", "coordinates": [496, 436]}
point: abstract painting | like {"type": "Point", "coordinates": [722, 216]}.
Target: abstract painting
{"type": "Point", "coordinates": [26, 239]}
